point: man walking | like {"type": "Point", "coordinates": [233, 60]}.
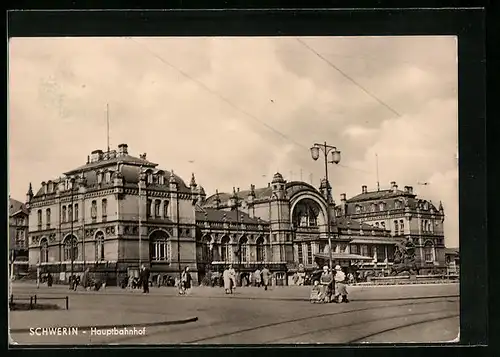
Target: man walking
{"type": "Point", "coordinates": [265, 277]}
{"type": "Point", "coordinates": [145, 279]}
{"type": "Point", "coordinates": [340, 285]}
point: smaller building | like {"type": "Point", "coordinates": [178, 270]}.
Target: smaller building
{"type": "Point", "coordinates": [452, 260]}
{"type": "Point", "coordinates": [18, 238]}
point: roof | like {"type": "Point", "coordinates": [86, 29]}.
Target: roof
{"type": "Point", "coordinates": [214, 215]}
{"type": "Point", "coordinates": [126, 159]}
{"type": "Point", "coordinates": [260, 193]}
{"type": "Point", "coordinates": [16, 206]}
{"type": "Point", "coordinates": [454, 251]}
{"type": "Point", "coordinates": [379, 195]}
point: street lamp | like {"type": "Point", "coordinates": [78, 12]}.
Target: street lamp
{"type": "Point", "coordinates": [335, 159]}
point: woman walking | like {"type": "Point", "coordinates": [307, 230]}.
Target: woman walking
{"type": "Point", "coordinates": [226, 276]}
{"type": "Point", "coordinates": [185, 281]}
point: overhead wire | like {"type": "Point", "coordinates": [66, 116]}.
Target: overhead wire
{"type": "Point", "coordinates": [229, 102]}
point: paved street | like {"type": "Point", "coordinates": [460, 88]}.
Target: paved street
{"type": "Point", "coordinates": [398, 314]}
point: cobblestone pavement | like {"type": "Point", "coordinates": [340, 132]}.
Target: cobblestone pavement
{"type": "Point", "coordinates": [397, 314]}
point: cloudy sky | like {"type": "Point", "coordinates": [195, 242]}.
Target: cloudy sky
{"type": "Point", "coordinates": [236, 110]}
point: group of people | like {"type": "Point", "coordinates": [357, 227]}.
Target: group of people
{"type": "Point", "coordinates": [259, 278]}
{"type": "Point", "coordinates": [330, 287]}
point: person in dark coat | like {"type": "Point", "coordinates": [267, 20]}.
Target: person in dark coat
{"type": "Point", "coordinates": [145, 279]}
{"type": "Point", "coordinates": [49, 280]}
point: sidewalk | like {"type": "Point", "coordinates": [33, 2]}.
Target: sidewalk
{"type": "Point", "coordinates": [292, 293]}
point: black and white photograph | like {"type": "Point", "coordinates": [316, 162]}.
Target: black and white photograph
{"type": "Point", "coordinates": [233, 190]}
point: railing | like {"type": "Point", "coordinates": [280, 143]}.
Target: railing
{"type": "Point", "coordinates": [34, 299]}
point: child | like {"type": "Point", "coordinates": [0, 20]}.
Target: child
{"type": "Point", "coordinates": [315, 292]}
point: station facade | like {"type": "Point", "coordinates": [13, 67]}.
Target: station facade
{"type": "Point", "coordinates": [118, 212]}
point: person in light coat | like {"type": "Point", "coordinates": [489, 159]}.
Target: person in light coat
{"type": "Point", "coordinates": [340, 285]}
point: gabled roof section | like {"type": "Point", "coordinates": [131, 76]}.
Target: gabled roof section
{"type": "Point", "coordinates": [16, 207]}
{"type": "Point", "coordinates": [379, 195]}
{"type": "Point", "coordinates": [346, 222]}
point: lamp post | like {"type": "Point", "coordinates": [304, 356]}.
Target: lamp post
{"type": "Point", "coordinates": [335, 159]}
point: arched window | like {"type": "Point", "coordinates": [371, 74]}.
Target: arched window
{"type": "Point", "coordinates": [261, 251]}
{"type": "Point", "coordinates": [161, 179]}
{"type": "Point", "coordinates": [224, 246]}
{"type": "Point", "coordinates": [70, 213]}
{"type": "Point", "coordinates": [76, 212]}
{"type": "Point", "coordinates": [396, 228]}
{"type": "Point", "coordinates": [165, 208]}
{"type": "Point", "coordinates": [159, 246]}
{"type": "Point", "coordinates": [402, 226]}
{"type": "Point", "coordinates": [243, 249]}
{"type": "Point", "coordinates": [358, 209]}
{"type": "Point", "coordinates": [108, 176]}
{"type": "Point", "coordinates": [397, 204]}
{"type": "Point", "coordinates": [63, 214]}
{"type": "Point", "coordinates": [93, 210]}
{"type": "Point", "coordinates": [39, 216]}
{"type": "Point", "coordinates": [70, 248]}
{"type": "Point", "coordinates": [428, 252]}
{"type": "Point", "coordinates": [373, 207]}
{"type": "Point", "coordinates": [44, 251]}
{"type": "Point", "coordinates": [99, 246]}
{"type": "Point", "coordinates": [381, 206]}
{"type": "Point", "coordinates": [47, 214]}
{"type": "Point", "coordinates": [157, 208]}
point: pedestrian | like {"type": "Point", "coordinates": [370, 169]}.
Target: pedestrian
{"type": "Point", "coordinates": [257, 277]}
{"type": "Point", "coordinates": [145, 279]}
{"type": "Point", "coordinates": [232, 277]}
{"type": "Point", "coordinates": [186, 280]}
{"type": "Point", "coordinates": [49, 280]}
{"type": "Point", "coordinates": [340, 286]}
{"type": "Point", "coordinates": [227, 281]}
{"type": "Point", "coordinates": [85, 280]}
{"type": "Point", "coordinates": [265, 277]}
{"type": "Point", "coordinates": [38, 277]}
{"type": "Point", "coordinates": [326, 281]}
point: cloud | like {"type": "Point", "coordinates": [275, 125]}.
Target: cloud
{"type": "Point", "coordinates": [240, 108]}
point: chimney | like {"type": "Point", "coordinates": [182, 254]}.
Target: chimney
{"type": "Point", "coordinates": [96, 155]}
{"type": "Point", "coordinates": [410, 190]}
{"type": "Point", "coordinates": [122, 149]}
{"type": "Point", "coordinates": [407, 190]}
{"type": "Point", "coordinates": [394, 187]}
{"type": "Point", "coordinates": [342, 197]}
{"type": "Point", "coordinates": [364, 189]}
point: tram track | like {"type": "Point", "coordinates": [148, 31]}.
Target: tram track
{"type": "Point", "coordinates": [197, 326]}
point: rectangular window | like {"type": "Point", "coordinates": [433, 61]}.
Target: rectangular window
{"type": "Point", "coordinates": [76, 212]}
{"type": "Point", "coordinates": [274, 237]}
{"type": "Point", "coordinates": [63, 214]}
{"type": "Point", "coordinates": [322, 247]}
{"type": "Point", "coordinates": [70, 213]}
{"type": "Point", "coordinates": [39, 216]}
{"type": "Point", "coordinates": [300, 254]}
{"type": "Point", "coordinates": [381, 253]}
{"type": "Point", "coordinates": [396, 228]}
{"type": "Point", "coordinates": [354, 249]}
{"type": "Point", "coordinates": [47, 216]}
{"type": "Point", "coordinates": [309, 254]}
{"type": "Point", "coordinates": [402, 227]}
{"type": "Point", "coordinates": [364, 251]}
{"type": "Point", "coordinates": [148, 208]}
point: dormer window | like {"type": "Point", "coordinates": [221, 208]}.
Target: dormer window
{"type": "Point", "coordinates": [150, 178]}
{"type": "Point", "coordinates": [161, 180]}
{"type": "Point", "coordinates": [426, 206]}
{"type": "Point", "coordinates": [358, 209]}
{"type": "Point", "coordinates": [397, 204]}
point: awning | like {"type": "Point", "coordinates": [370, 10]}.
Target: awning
{"type": "Point", "coordinates": [373, 241]}
{"type": "Point", "coordinates": [343, 256]}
